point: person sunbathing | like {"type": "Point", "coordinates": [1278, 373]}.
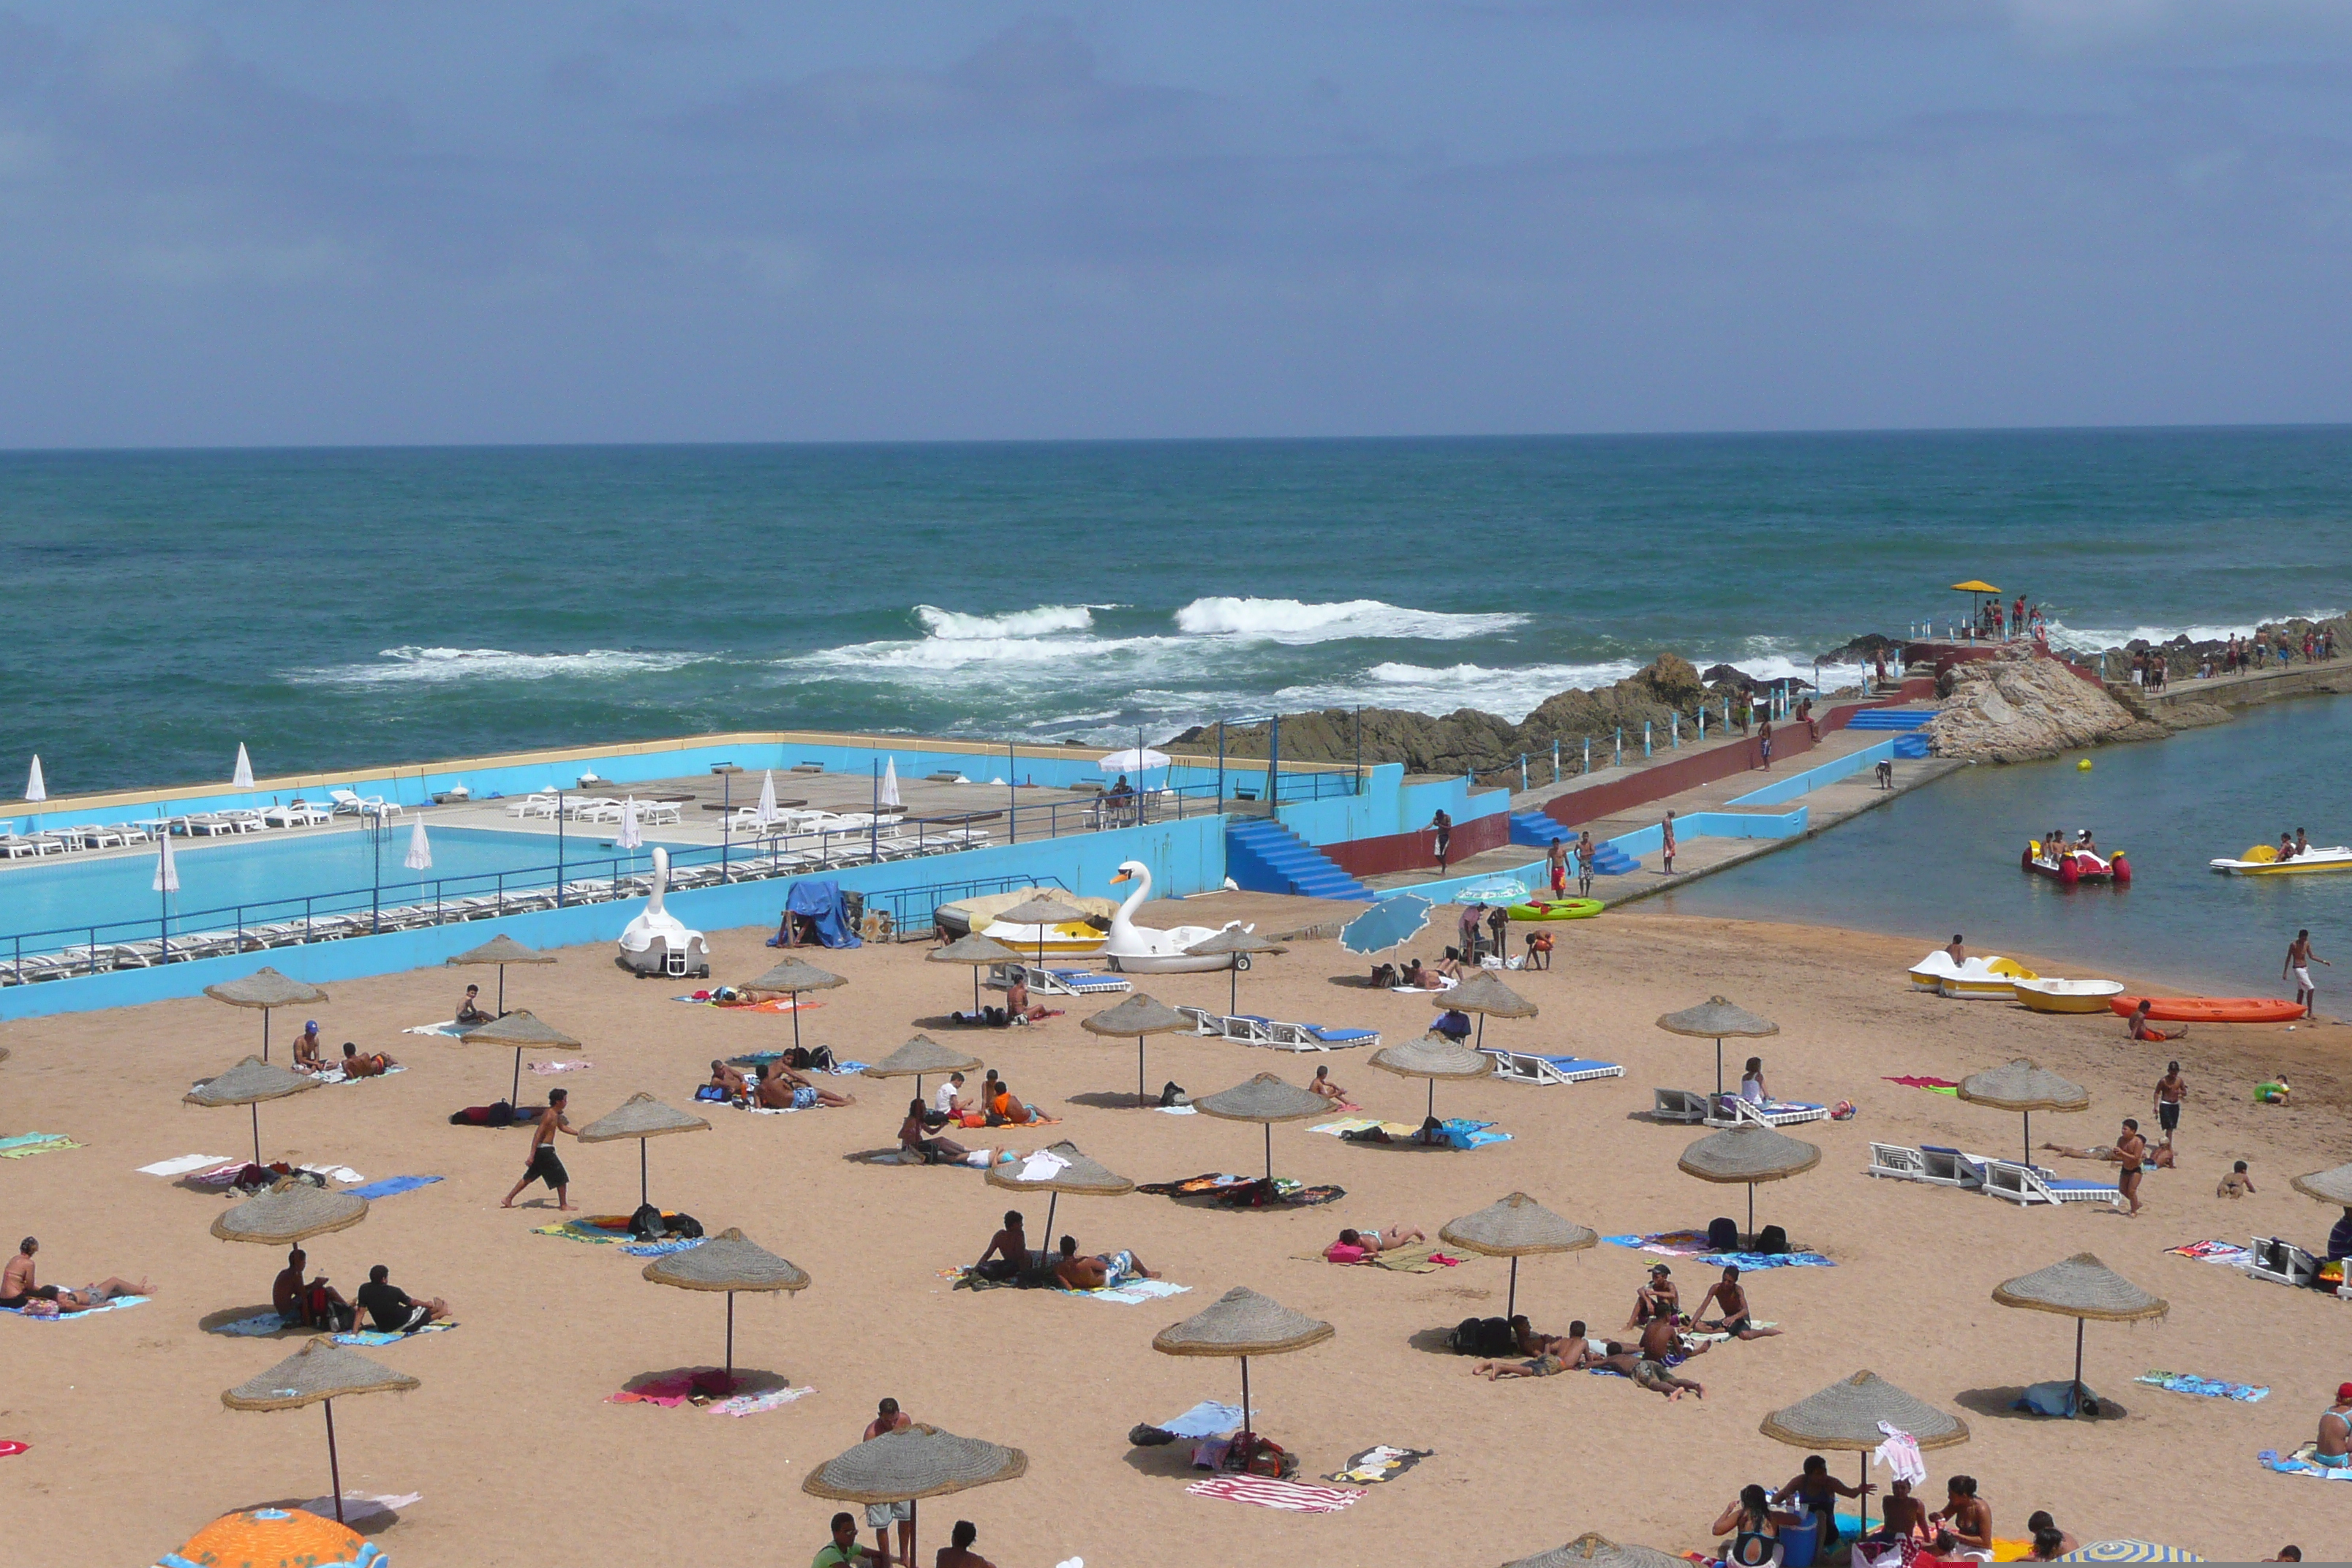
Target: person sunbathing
{"type": "Point", "coordinates": [1321, 1086]}
{"type": "Point", "coordinates": [1544, 1363]}
{"type": "Point", "coordinates": [1420, 977]}
{"type": "Point", "coordinates": [1649, 1373]}
{"type": "Point", "coordinates": [1006, 1256]}
{"type": "Point", "coordinates": [729, 1082]}
{"type": "Point", "coordinates": [1007, 1108]}
{"type": "Point", "coordinates": [782, 1088]}
{"type": "Point", "coordinates": [19, 1285]}
{"type": "Point", "coordinates": [1660, 1298]}
{"type": "Point", "coordinates": [2334, 1448]}
{"type": "Point", "coordinates": [358, 1063]}
{"type": "Point", "coordinates": [2160, 1156]}
{"type": "Point", "coordinates": [1018, 1008]}
{"type": "Point", "coordinates": [1736, 1320]}
{"type": "Point", "coordinates": [931, 1150]}
{"type": "Point", "coordinates": [471, 1011]}
{"type": "Point", "coordinates": [305, 1054]}
{"type": "Point", "coordinates": [1099, 1271]}
{"type": "Point", "coordinates": [2047, 1535]}
{"type": "Point", "coordinates": [1359, 1246]}
{"type": "Point", "coordinates": [391, 1310]}
{"type": "Point", "coordinates": [1570, 1347]}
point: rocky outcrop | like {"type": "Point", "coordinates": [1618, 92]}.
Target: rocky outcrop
{"type": "Point", "coordinates": [2018, 708]}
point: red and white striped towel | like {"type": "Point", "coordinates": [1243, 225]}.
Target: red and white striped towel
{"type": "Point", "coordinates": [1288, 1495]}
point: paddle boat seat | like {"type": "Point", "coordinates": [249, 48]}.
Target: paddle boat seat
{"type": "Point", "coordinates": [1528, 1067]}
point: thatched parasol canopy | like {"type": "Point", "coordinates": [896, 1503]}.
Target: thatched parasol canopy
{"type": "Point", "coordinates": [1483, 994]}
{"type": "Point", "coordinates": [1516, 1226]}
{"type": "Point", "coordinates": [1137, 1016]}
{"type": "Point", "coordinates": [2081, 1287]}
{"type": "Point", "coordinates": [1846, 1415]}
{"type": "Point", "coordinates": [1264, 1098]}
{"type": "Point", "coordinates": [1591, 1551]}
{"type": "Point", "coordinates": [1241, 1323]}
{"type": "Point", "coordinates": [499, 949]}
{"type": "Point", "coordinates": [1232, 938]}
{"type": "Point", "coordinates": [729, 1261]}
{"type": "Point", "coordinates": [320, 1370]}
{"type": "Point", "coordinates": [1716, 1019]}
{"type": "Point", "coordinates": [1045, 910]}
{"type": "Point", "coordinates": [265, 988]}
{"type": "Point", "coordinates": [919, 1462]}
{"type": "Point", "coordinates": [923, 1054]}
{"type": "Point", "coordinates": [793, 976]}
{"type": "Point", "coordinates": [640, 1116]}
{"type": "Point", "coordinates": [975, 950]}
{"type": "Point", "coordinates": [1082, 1175]}
{"type": "Point", "coordinates": [1432, 1056]}
{"type": "Point", "coordinates": [2023, 1086]}
{"type": "Point", "coordinates": [1749, 1154]}
{"type": "Point", "coordinates": [290, 1210]}
{"type": "Point", "coordinates": [249, 1082]}
{"type": "Point", "coordinates": [2328, 1186]}
{"type": "Point", "coordinates": [522, 1029]}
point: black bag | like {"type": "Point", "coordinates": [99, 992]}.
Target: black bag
{"type": "Point", "coordinates": [1772, 1241]}
{"type": "Point", "coordinates": [645, 1225]}
{"type": "Point", "coordinates": [1171, 1093]}
{"type": "Point", "coordinates": [1463, 1339]}
{"type": "Point", "coordinates": [1496, 1339]}
{"type": "Point", "coordinates": [1723, 1236]}
{"type": "Point", "coordinates": [820, 1058]}
{"type": "Point", "coordinates": [796, 1058]}
{"type": "Point", "coordinates": [685, 1226]}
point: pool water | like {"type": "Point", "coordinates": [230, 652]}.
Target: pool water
{"type": "Point", "coordinates": [270, 877]}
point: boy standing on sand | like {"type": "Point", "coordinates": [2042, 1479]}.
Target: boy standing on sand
{"type": "Point", "coordinates": [2169, 1089]}
{"type": "Point", "coordinates": [544, 1164]}
{"type": "Point", "coordinates": [2131, 1153]}
{"type": "Point", "coordinates": [1584, 864]}
{"type": "Point", "coordinates": [1556, 858]}
{"type": "Point", "coordinates": [2299, 960]}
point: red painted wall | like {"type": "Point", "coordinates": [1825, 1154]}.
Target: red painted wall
{"type": "Point", "coordinates": [1417, 851]}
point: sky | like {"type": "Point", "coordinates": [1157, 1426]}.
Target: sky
{"type": "Point", "coordinates": [289, 222]}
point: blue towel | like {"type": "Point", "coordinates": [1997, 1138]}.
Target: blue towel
{"type": "Point", "coordinates": [259, 1326]}
{"type": "Point", "coordinates": [390, 1185]}
{"type": "Point", "coordinates": [1206, 1419]}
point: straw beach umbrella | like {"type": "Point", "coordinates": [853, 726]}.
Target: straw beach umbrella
{"type": "Point", "coordinates": [1845, 1415]}
{"type": "Point", "coordinates": [1718, 1020]}
{"type": "Point", "coordinates": [1516, 1226]}
{"type": "Point", "coordinates": [1591, 1551]}
{"type": "Point", "coordinates": [1431, 1056]}
{"type": "Point", "coordinates": [919, 1056]}
{"type": "Point", "coordinates": [249, 1083]}
{"type": "Point", "coordinates": [1483, 995]}
{"type": "Point", "coordinates": [1243, 1323]}
{"type": "Point", "coordinates": [2080, 1288]}
{"type": "Point", "coordinates": [640, 1117]}
{"type": "Point", "coordinates": [1748, 1154]}
{"type": "Point", "coordinates": [911, 1465]}
{"type": "Point", "coordinates": [501, 951]}
{"type": "Point", "coordinates": [2334, 1186]}
{"type": "Point", "coordinates": [2023, 1086]}
{"type": "Point", "coordinates": [977, 952]}
{"type": "Point", "coordinates": [1078, 1174]}
{"type": "Point", "coordinates": [292, 1210]}
{"type": "Point", "coordinates": [729, 1261]}
{"type": "Point", "coordinates": [1138, 1016]}
{"type": "Point", "coordinates": [519, 1028]}
{"type": "Point", "coordinates": [320, 1373]}
{"type": "Point", "coordinates": [795, 977]}
{"type": "Point", "coordinates": [1041, 911]}
{"type": "Point", "coordinates": [1264, 1099]}
{"type": "Point", "coordinates": [1242, 946]}
{"type": "Point", "coordinates": [266, 989]}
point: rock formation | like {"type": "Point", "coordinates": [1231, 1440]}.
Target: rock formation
{"type": "Point", "coordinates": [2018, 708]}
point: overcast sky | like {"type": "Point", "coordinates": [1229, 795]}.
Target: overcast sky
{"type": "Point", "coordinates": [292, 221]}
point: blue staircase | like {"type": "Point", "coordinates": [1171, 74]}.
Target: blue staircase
{"type": "Point", "coordinates": [1608, 860]}
{"type": "Point", "coordinates": [1534, 827]}
{"type": "Point", "coordinates": [1264, 856]}
{"type": "Point", "coordinates": [1911, 746]}
{"type": "Point", "coordinates": [1890, 719]}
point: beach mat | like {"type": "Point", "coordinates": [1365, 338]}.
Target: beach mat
{"type": "Point", "coordinates": [391, 1187]}
{"type": "Point", "coordinates": [2228, 1252]}
{"type": "Point", "coordinates": [2301, 1463]}
{"type": "Point", "coordinates": [1691, 1244]}
{"type": "Point", "coordinates": [544, 1069]}
{"type": "Point", "coordinates": [1134, 1292]}
{"type": "Point", "coordinates": [115, 1305]}
{"type": "Point", "coordinates": [1289, 1495]}
{"type": "Point", "coordinates": [1207, 1420]}
{"type": "Point", "coordinates": [370, 1338]}
{"type": "Point", "coordinates": [24, 1145]}
{"type": "Point", "coordinates": [2203, 1387]}
{"type": "Point", "coordinates": [260, 1325]}
{"type": "Point", "coordinates": [1376, 1465]}
{"type": "Point", "coordinates": [448, 1027]}
{"type": "Point", "coordinates": [185, 1165]}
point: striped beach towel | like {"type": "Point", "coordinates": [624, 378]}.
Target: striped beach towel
{"type": "Point", "coordinates": [1290, 1496]}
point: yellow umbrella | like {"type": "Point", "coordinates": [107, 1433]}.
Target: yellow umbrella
{"type": "Point", "coordinates": [1972, 587]}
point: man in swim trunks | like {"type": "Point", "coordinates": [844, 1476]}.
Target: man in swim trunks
{"type": "Point", "coordinates": [2169, 1090]}
{"type": "Point", "coordinates": [2131, 1153]}
{"type": "Point", "coordinates": [1585, 865]}
{"type": "Point", "coordinates": [2299, 960]}
{"type": "Point", "coordinates": [470, 1010]}
{"type": "Point", "coordinates": [1648, 1370]}
{"type": "Point", "coordinates": [541, 1163]}
{"type": "Point", "coordinates": [1956, 950]}
{"type": "Point", "coordinates": [1543, 1364]}
{"type": "Point", "coordinates": [782, 1088]}
{"type": "Point", "coordinates": [958, 1553]}
{"type": "Point", "coordinates": [1736, 1320]}
{"type": "Point", "coordinates": [2334, 1448]}
{"type": "Point", "coordinates": [2140, 1028]}
{"type": "Point", "coordinates": [358, 1063]}
{"type": "Point", "coordinates": [1443, 827]}
{"type": "Point", "coordinates": [728, 1081]}
{"type": "Point", "coordinates": [889, 1418]}
{"type": "Point", "coordinates": [1659, 1298]}
{"type": "Point", "coordinates": [1323, 1088]}
{"type": "Point", "coordinates": [18, 1285]}
{"type": "Point", "coordinates": [1667, 839]}
{"type": "Point", "coordinates": [306, 1052]}
{"type": "Point", "coordinates": [1102, 1270]}
{"type": "Point", "coordinates": [1006, 1256]}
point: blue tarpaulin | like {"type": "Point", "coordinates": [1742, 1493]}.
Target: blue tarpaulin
{"type": "Point", "coordinates": [819, 898]}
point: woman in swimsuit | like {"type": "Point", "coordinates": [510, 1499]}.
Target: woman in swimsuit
{"type": "Point", "coordinates": [1754, 1527]}
{"type": "Point", "coordinates": [931, 1150]}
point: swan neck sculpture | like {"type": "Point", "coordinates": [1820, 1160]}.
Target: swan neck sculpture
{"type": "Point", "coordinates": [1148, 949]}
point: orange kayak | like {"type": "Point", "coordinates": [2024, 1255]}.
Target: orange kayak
{"type": "Point", "coordinates": [2212, 1009]}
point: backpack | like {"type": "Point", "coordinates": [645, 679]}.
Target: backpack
{"type": "Point", "coordinates": [1172, 1093]}
{"type": "Point", "coordinates": [1723, 1236]}
{"type": "Point", "coordinates": [1463, 1337]}
{"type": "Point", "coordinates": [685, 1226]}
{"type": "Point", "coordinates": [645, 1225]}
{"type": "Point", "coordinates": [1772, 1241]}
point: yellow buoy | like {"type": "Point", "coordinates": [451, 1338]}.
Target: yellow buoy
{"type": "Point", "coordinates": [2084, 766]}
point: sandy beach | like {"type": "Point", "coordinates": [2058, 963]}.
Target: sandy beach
{"type": "Point", "coordinates": [520, 1459]}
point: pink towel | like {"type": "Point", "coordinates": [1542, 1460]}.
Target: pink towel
{"type": "Point", "coordinates": [1288, 1495]}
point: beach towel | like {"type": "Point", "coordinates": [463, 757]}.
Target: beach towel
{"type": "Point", "coordinates": [1192, 1186]}
{"type": "Point", "coordinates": [372, 1337]}
{"type": "Point", "coordinates": [1174, 1110]}
{"type": "Point", "coordinates": [544, 1069]}
{"type": "Point", "coordinates": [391, 1187]}
{"type": "Point", "coordinates": [2303, 1462]}
{"type": "Point", "coordinates": [261, 1325]}
{"type": "Point", "coordinates": [115, 1305]}
{"type": "Point", "coordinates": [450, 1027]}
{"type": "Point", "coordinates": [774, 1005]}
{"type": "Point", "coordinates": [333, 1172]}
{"type": "Point", "coordinates": [753, 1404]}
{"type": "Point", "coordinates": [1413, 1260]}
{"type": "Point", "coordinates": [1942, 1085]}
{"type": "Point", "coordinates": [183, 1164]}
{"type": "Point", "coordinates": [337, 1074]}
{"type": "Point", "coordinates": [1347, 1124]}
{"type": "Point", "coordinates": [1132, 1293]}
{"type": "Point", "coordinates": [1380, 1464]}
{"type": "Point", "coordinates": [2061, 1399]}
{"type": "Point", "coordinates": [10, 1448]}
{"type": "Point", "coordinates": [2203, 1387]}
{"type": "Point", "coordinates": [2236, 1256]}
{"type": "Point", "coordinates": [1691, 1244]}
{"type": "Point", "coordinates": [1206, 1419]}
{"type": "Point", "coordinates": [1721, 1336]}
{"type": "Point", "coordinates": [1289, 1495]}
{"type": "Point", "coordinates": [667, 1392]}
{"type": "Point", "coordinates": [24, 1145]}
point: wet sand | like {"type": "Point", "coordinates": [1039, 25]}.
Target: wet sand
{"type": "Point", "coordinates": [521, 1460]}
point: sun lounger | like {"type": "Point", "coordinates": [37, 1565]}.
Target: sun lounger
{"type": "Point", "coordinates": [1897, 1160]}
{"type": "Point", "coordinates": [1679, 1105]}
{"type": "Point", "coordinates": [1275, 1033]}
{"type": "Point", "coordinates": [2028, 1184]}
{"type": "Point", "coordinates": [348, 804]}
{"type": "Point", "coordinates": [1530, 1066]}
{"type": "Point", "coordinates": [1948, 1167]}
{"type": "Point", "coordinates": [1733, 1111]}
{"type": "Point", "coordinates": [2281, 1262]}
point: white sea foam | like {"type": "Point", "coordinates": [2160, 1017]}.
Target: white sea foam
{"type": "Point", "coordinates": [2095, 637]}
{"type": "Point", "coordinates": [978, 655]}
{"type": "Point", "coordinates": [1424, 689]}
{"type": "Point", "coordinates": [1296, 621]}
{"type": "Point", "coordinates": [433, 664]}
{"type": "Point", "coordinates": [1045, 619]}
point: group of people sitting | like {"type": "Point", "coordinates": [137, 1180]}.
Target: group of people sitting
{"type": "Point", "coordinates": [1006, 1260]}
{"type": "Point", "coordinates": [313, 1303]}
{"type": "Point", "coordinates": [776, 1087]}
{"type": "Point", "coordinates": [309, 1056]}
{"type": "Point", "coordinates": [1666, 1336]}
{"type": "Point", "coordinates": [995, 1106]}
{"type": "Point", "coordinates": [1017, 1009]}
{"type": "Point", "coordinates": [1960, 1531]}
{"type": "Point", "coordinates": [21, 1290]}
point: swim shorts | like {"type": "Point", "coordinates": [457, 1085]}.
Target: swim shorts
{"type": "Point", "coordinates": [548, 1167]}
{"type": "Point", "coordinates": [2167, 1114]}
{"type": "Point", "coordinates": [1646, 1370]}
{"type": "Point", "coordinates": [1118, 1266]}
{"type": "Point", "coordinates": [2302, 978]}
{"type": "Point", "coordinates": [878, 1515]}
{"type": "Point", "coordinates": [1546, 1365]}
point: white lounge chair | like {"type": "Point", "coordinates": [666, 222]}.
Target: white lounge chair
{"type": "Point", "coordinates": [1948, 1167]}
{"type": "Point", "coordinates": [2028, 1184]}
{"type": "Point", "coordinates": [1734, 1112]}
{"type": "Point", "coordinates": [1533, 1066]}
{"type": "Point", "coordinates": [348, 803]}
{"type": "Point", "coordinates": [295, 813]}
{"type": "Point", "coordinates": [1679, 1105]}
{"type": "Point", "coordinates": [2280, 1262]}
{"type": "Point", "coordinates": [16, 847]}
{"type": "Point", "coordinates": [1899, 1160]}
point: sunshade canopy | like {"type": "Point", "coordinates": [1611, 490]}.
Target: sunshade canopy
{"type": "Point", "coordinates": [249, 1082]}
{"type": "Point", "coordinates": [973, 950]}
{"type": "Point", "coordinates": [2081, 1287]}
{"type": "Point", "coordinates": [2023, 1086]}
{"type": "Point", "coordinates": [1516, 1226]}
{"type": "Point", "coordinates": [1748, 1154]}
{"type": "Point", "coordinates": [1041, 911]}
{"type": "Point", "coordinates": [1081, 1174]}
{"type": "Point", "coordinates": [919, 1462]}
{"type": "Point", "coordinates": [1242, 1322]}
{"type": "Point", "coordinates": [640, 1116]}
{"type": "Point", "coordinates": [1264, 1098]}
{"type": "Point", "coordinates": [1846, 1415]}
{"type": "Point", "coordinates": [793, 976]}
{"type": "Point", "coordinates": [1974, 585]}
{"type": "Point", "coordinates": [265, 987]}
{"type": "Point", "coordinates": [1716, 1019]}
{"type": "Point", "coordinates": [1232, 938]}
{"type": "Point", "coordinates": [921, 1055]}
{"type": "Point", "coordinates": [728, 1262]}
{"type": "Point", "coordinates": [1139, 1015]}
{"type": "Point", "coordinates": [320, 1370]}
{"type": "Point", "coordinates": [1395, 919]}
{"type": "Point", "coordinates": [1482, 993]}
{"type": "Point", "coordinates": [499, 949]}
{"type": "Point", "coordinates": [1432, 1056]}
{"type": "Point", "coordinates": [2128, 1551]}
{"type": "Point", "coordinates": [522, 1030]}
{"type": "Point", "coordinates": [290, 1210]}
{"type": "Point", "coordinates": [1591, 1551]}
{"type": "Point", "coordinates": [2328, 1186]}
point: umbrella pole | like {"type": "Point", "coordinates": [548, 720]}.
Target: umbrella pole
{"type": "Point", "coordinates": [730, 1342]}
{"type": "Point", "coordinates": [1269, 1153]}
{"type": "Point", "coordinates": [2029, 1140]}
{"type": "Point", "coordinates": [914, 1506]}
{"type": "Point", "coordinates": [514, 1094]}
{"type": "Point", "coordinates": [334, 1465]}
{"type": "Point", "coordinates": [1718, 1069]}
{"type": "Point", "coordinates": [1053, 1201]}
{"type": "Point", "coordinates": [502, 990]}
{"type": "Point", "coordinates": [1233, 987]}
{"type": "Point", "coordinates": [1862, 1495]}
{"type": "Point", "coordinates": [794, 997]}
{"type": "Point", "coordinates": [1247, 1430]}
{"type": "Point", "coordinates": [975, 990]}
{"type": "Point", "coordinates": [1431, 1109]}
{"type": "Point", "coordinates": [264, 1034]}
{"type": "Point", "coordinates": [1751, 1212]}
{"type": "Point", "coordinates": [256, 1108]}
{"type": "Point", "coordinates": [641, 1174]}
{"type": "Point", "coordinates": [1512, 1309]}
{"type": "Point", "coordinates": [1142, 1095]}
{"type": "Point", "coordinates": [2075, 1395]}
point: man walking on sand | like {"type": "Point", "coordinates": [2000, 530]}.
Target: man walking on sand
{"type": "Point", "coordinates": [2131, 1153]}
{"type": "Point", "coordinates": [1584, 864]}
{"type": "Point", "coordinates": [1443, 827]}
{"type": "Point", "coordinates": [543, 1165]}
{"type": "Point", "coordinates": [2169, 1090]}
{"type": "Point", "coordinates": [1556, 858]}
{"type": "Point", "coordinates": [1667, 837]}
{"type": "Point", "coordinates": [2299, 960]}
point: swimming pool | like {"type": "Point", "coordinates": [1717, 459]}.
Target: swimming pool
{"type": "Point", "coordinates": [231, 883]}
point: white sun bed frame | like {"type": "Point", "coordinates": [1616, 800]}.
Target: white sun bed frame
{"type": "Point", "coordinates": [2026, 1185]}
{"type": "Point", "coordinates": [1528, 1067]}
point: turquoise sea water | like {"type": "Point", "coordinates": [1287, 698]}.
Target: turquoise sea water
{"type": "Point", "coordinates": [1944, 858]}
{"type": "Point", "coordinates": [335, 608]}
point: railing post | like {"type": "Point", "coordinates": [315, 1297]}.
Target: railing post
{"type": "Point", "coordinates": [1555, 759]}
{"type": "Point", "coordinates": [1645, 737]}
{"type": "Point", "coordinates": [1588, 753]}
{"type": "Point", "coordinates": [1675, 721]}
{"type": "Point", "coordinates": [1619, 760]}
{"type": "Point", "coordinates": [1523, 772]}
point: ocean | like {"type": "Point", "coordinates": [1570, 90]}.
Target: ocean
{"type": "Point", "coordinates": [335, 608]}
